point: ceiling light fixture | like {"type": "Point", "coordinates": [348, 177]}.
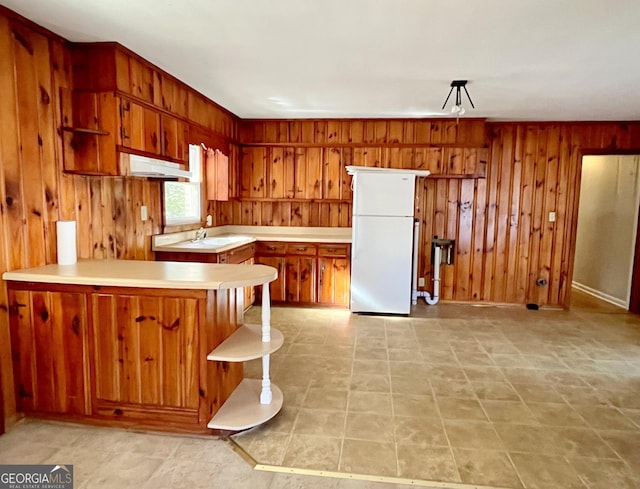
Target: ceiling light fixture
{"type": "Point", "coordinates": [457, 108]}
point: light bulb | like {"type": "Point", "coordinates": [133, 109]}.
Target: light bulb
{"type": "Point", "coordinates": [455, 109]}
{"type": "Point", "coordinates": [461, 111]}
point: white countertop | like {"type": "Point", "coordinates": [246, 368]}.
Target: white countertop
{"type": "Point", "coordinates": [148, 274]}
{"type": "Point", "coordinates": [246, 234]}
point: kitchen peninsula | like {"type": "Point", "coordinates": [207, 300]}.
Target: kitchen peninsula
{"type": "Point", "coordinates": [124, 342]}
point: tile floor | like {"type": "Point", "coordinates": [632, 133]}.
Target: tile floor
{"type": "Point", "coordinates": [499, 397]}
{"type": "Point", "coordinates": [455, 395]}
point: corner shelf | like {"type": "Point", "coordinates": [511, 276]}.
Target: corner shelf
{"type": "Point", "coordinates": [253, 401]}
{"type": "Point", "coordinates": [246, 344]}
{"type": "Point", "coordinates": [241, 411]}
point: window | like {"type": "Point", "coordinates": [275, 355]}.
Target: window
{"type": "Point", "coordinates": [182, 200]}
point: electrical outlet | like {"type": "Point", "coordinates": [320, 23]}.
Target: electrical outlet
{"type": "Point", "coordinates": [421, 282]}
{"type": "Point", "coordinates": [552, 216]}
{"type": "Point", "coordinates": [144, 214]}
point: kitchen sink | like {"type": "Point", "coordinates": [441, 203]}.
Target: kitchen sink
{"type": "Point", "coordinates": [215, 242]}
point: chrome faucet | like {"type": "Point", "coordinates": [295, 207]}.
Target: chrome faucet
{"type": "Point", "coordinates": [200, 234]}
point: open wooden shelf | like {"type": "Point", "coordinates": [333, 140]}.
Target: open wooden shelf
{"type": "Point", "coordinates": [85, 130]}
{"type": "Point", "coordinates": [246, 344]}
{"type": "Point", "coordinates": [242, 410]}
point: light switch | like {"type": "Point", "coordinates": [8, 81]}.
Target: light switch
{"type": "Point", "coordinates": [144, 214]}
{"type": "Point", "coordinates": [552, 216]}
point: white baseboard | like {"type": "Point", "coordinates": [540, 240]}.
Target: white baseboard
{"type": "Point", "coordinates": [601, 295]}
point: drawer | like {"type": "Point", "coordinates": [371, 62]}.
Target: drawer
{"type": "Point", "coordinates": [271, 248]}
{"type": "Point", "coordinates": [340, 250]}
{"type": "Point", "coordinates": [306, 249]}
{"type": "Point", "coordinates": [238, 255]}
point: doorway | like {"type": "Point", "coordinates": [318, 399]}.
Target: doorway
{"type": "Point", "coordinates": [607, 229]}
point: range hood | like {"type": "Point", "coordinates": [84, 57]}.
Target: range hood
{"type": "Point", "coordinates": [142, 166]}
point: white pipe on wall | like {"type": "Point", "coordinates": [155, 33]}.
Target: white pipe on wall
{"type": "Point", "coordinates": [437, 253]}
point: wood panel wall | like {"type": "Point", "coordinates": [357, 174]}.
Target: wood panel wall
{"type": "Point", "coordinates": [291, 173]}
{"type": "Point", "coordinates": [35, 193]}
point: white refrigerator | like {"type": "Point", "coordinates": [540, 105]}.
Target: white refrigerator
{"type": "Point", "coordinates": [382, 241]}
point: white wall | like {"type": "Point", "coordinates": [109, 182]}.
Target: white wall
{"type": "Point", "coordinates": [607, 221]}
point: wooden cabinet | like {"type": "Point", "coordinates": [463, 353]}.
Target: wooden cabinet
{"type": "Point", "coordinates": [308, 273]}
{"type": "Point", "coordinates": [49, 336]}
{"type": "Point", "coordinates": [122, 356]}
{"type": "Point", "coordinates": [120, 103]}
{"type": "Point", "coordinates": [146, 355]}
{"type": "Point", "coordinates": [334, 274]}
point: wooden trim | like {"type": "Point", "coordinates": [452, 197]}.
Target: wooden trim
{"type": "Point", "coordinates": [16, 17]}
{"type": "Point", "coordinates": [364, 145]}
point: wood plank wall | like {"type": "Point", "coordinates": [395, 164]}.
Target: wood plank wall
{"type": "Point", "coordinates": [291, 173]}
{"type": "Point", "coordinates": [35, 193]}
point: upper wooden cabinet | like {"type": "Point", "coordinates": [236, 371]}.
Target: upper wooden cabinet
{"type": "Point", "coordinates": [98, 125]}
{"type": "Point", "coordinates": [99, 67]}
{"type": "Point", "coordinates": [120, 102]}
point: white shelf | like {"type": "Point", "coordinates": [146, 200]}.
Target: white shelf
{"type": "Point", "coordinates": [242, 410]}
{"type": "Point", "coordinates": [246, 344]}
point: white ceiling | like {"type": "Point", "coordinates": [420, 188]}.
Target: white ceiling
{"type": "Point", "coordinates": [524, 59]}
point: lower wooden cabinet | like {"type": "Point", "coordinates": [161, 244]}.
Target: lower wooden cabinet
{"type": "Point", "coordinates": [123, 356]}
{"type": "Point", "coordinates": [145, 352]}
{"type": "Point", "coordinates": [308, 273]}
{"type": "Point", "coordinates": [49, 340]}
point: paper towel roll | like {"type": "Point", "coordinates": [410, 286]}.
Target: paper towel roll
{"type": "Point", "coordinates": [67, 254]}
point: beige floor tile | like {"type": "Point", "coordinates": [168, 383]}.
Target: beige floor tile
{"type": "Point", "coordinates": [370, 383]}
{"type": "Point", "coordinates": [580, 395]}
{"type": "Point", "coordinates": [368, 457]}
{"type": "Point", "coordinates": [425, 432]}
{"type": "Point", "coordinates": [437, 356]}
{"type": "Point", "coordinates": [446, 388]}
{"type": "Point", "coordinates": [370, 353]}
{"type": "Point", "coordinates": [626, 445]}
{"type": "Point", "coordinates": [528, 438]}
{"type": "Point", "coordinates": [182, 473]}
{"type": "Point", "coordinates": [325, 398]}
{"type": "Point", "coordinates": [27, 452]}
{"type": "Point", "coordinates": [606, 418]}
{"type": "Point", "coordinates": [447, 372]}
{"type": "Point", "coordinates": [487, 467]}
{"type": "Point", "coordinates": [405, 355]}
{"type": "Point", "coordinates": [370, 343]}
{"type": "Point", "coordinates": [331, 380]}
{"type": "Point", "coordinates": [266, 449]}
{"type": "Point", "coordinates": [414, 405]}
{"type": "Point", "coordinates": [125, 470]}
{"type": "Point", "coordinates": [293, 481]}
{"type": "Point", "coordinates": [556, 414]}
{"type": "Point", "coordinates": [482, 373]}
{"type": "Point", "coordinates": [370, 402]}
{"type": "Point", "coordinates": [546, 472]}
{"type": "Point", "coordinates": [472, 434]}
{"type": "Point", "coordinates": [313, 452]}
{"type": "Point", "coordinates": [605, 474]}
{"type": "Point", "coordinates": [426, 463]}
{"type": "Point", "coordinates": [576, 442]}
{"type": "Point", "coordinates": [509, 412]}
{"type": "Point", "coordinates": [495, 391]}
{"type": "Point", "coordinates": [411, 385]}
{"type": "Point", "coordinates": [537, 392]}
{"type": "Point", "coordinates": [371, 367]}
{"type": "Point", "coordinates": [320, 422]}
{"type": "Point", "coordinates": [408, 369]}
{"type": "Point", "coordinates": [454, 408]}
{"type": "Point", "coordinates": [633, 415]}
{"type": "Point", "coordinates": [366, 426]}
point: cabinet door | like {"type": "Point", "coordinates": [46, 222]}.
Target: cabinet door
{"type": "Point", "coordinates": [49, 345]}
{"type": "Point", "coordinates": [249, 292]}
{"type": "Point", "coordinates": [300, 281]}
{"type": "Point", "coordinates": [140, 127]}
{"type": "Point", "coordinates": [174, 138]}
{"type": "Point", "coordinates": [334, 281]}
{"type": "Point", "coordinates": [277, 287]}
{"type": "Point", "coordinates": [146, 351]}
